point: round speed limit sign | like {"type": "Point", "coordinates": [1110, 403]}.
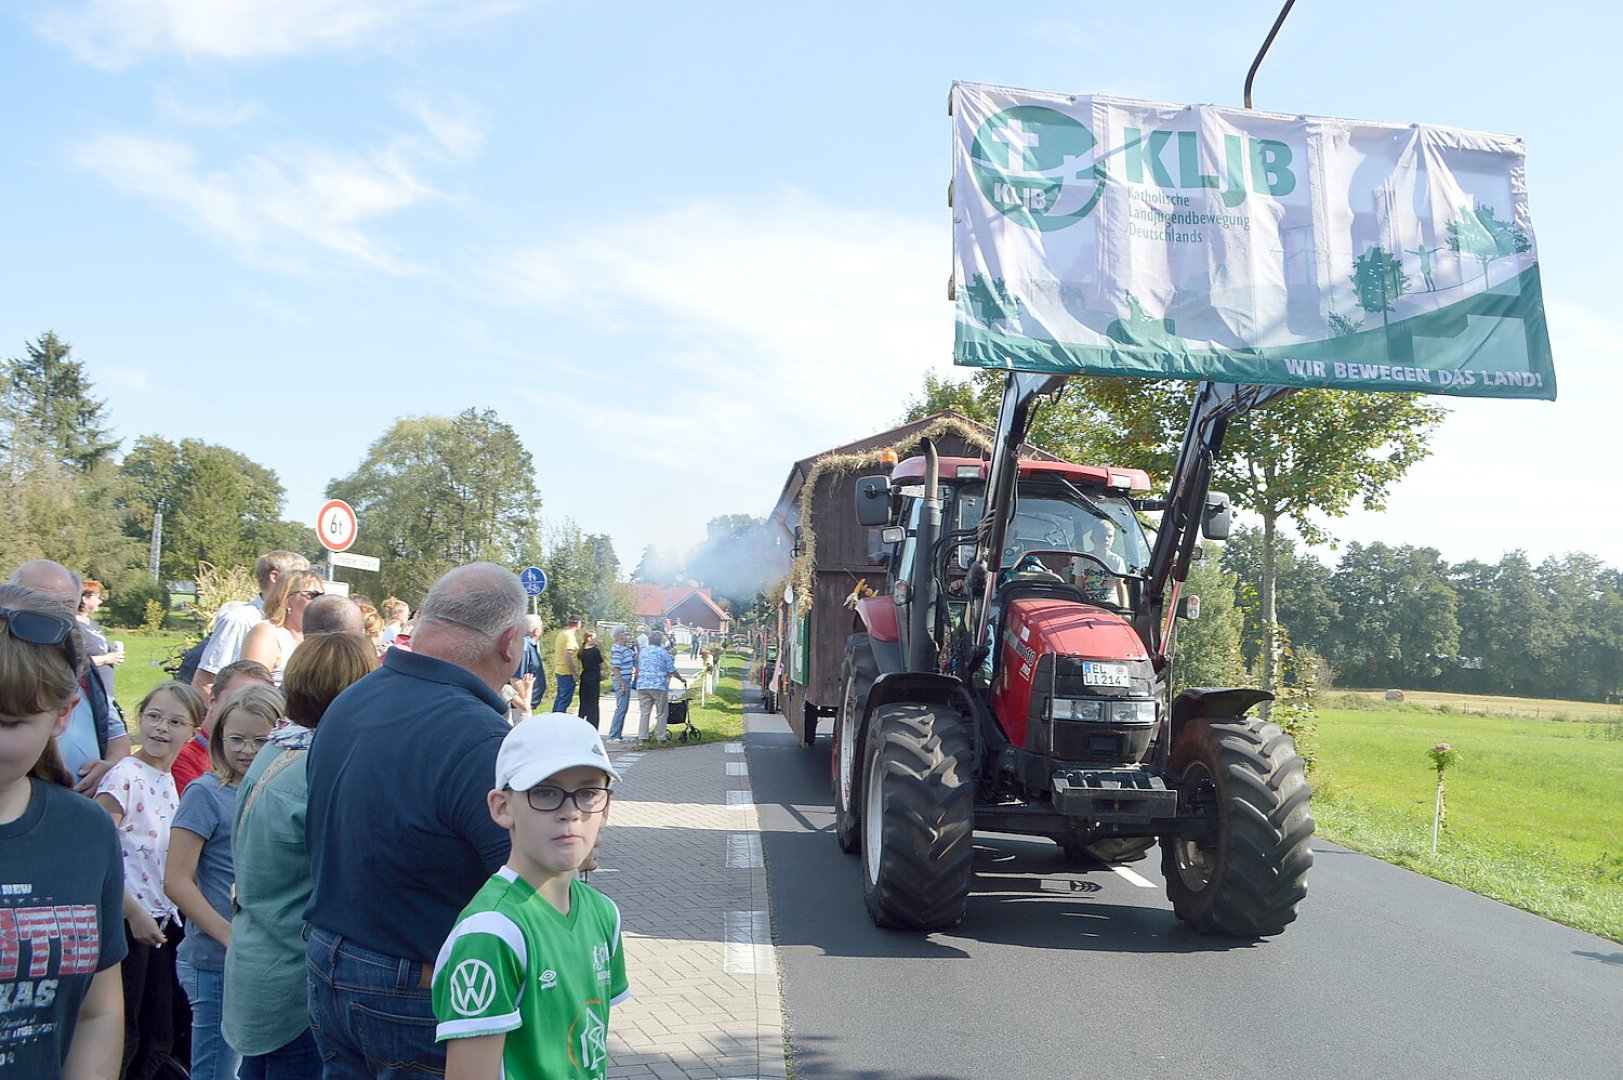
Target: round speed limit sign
{"type": "Point", "coordinates": [336, 525]}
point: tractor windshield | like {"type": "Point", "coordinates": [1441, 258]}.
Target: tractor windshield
{"type": "Point", "coordinates": [1051, 519]}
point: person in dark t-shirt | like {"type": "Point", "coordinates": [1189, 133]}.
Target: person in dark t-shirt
{"type": "Point", "coordinates": [61, 919]}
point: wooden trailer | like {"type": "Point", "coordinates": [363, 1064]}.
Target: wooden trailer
{"type": "Point", "coordinates": [833, 555]}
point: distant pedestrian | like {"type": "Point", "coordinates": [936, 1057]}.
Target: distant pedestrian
{"type": "Point", "coordinates": [396, 613]}
{"type": "Point", "coordinates": [591, 679]}
{"type": "Point", "coordinates": [231, 628]}
{"type": "Point", "coordinates": [531, 664]}
{"type": "Point", "coordinates": [566, 664]}
{"type": "Point", "coordinates": [525, 980]}
{"type": "Point", "coordinates": [655, 666]}
{"type": "Point", "coordinates": [60, 853]}
{"type": "Point", "coordinates": [199, 877]}
{"type": "Point", "coordinates": [400, 834]}
{"type": "Point", "coordinates": [103, 656]}
{"type": "Point", "coordinates": [273, 639]}
{"type": "Point", "coordinates": [622, 667]}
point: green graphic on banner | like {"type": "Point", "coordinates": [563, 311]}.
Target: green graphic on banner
{"type": "Point", "coordinates": [1112, 237]}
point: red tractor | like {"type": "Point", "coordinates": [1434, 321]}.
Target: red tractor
{"type": "Point", "coordinates": [1013, 678]}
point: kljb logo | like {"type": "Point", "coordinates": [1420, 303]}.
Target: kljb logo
{"type": "Point", "coordinates": [1037, 166]}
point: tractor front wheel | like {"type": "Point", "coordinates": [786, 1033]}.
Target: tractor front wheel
{"type": "Point", "coordinates": [1246, 877]}
{"type": "Point", "coordinates": [857, 675]}
{"type": "Point", "coordinates": [918, 816]}
{"type": "Point", "coordinates": [1112, 849]}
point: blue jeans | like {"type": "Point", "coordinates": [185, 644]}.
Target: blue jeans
{"type": "Point", "coordinates": [566, 693]}
{"type": "Point", "coordinates": [212, 1059]}
{"type": "Point", "coordinates": [622, 702]}
{"type": "Point", "coordinates": [372, 1016]}
{"type": "Point", "coordinates": [297, 1060]}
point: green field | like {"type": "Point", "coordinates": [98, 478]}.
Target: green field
{"type": "Point", "coordinates": [1535, 807]}
{"type": "Point", "coordinates": [144, 657]}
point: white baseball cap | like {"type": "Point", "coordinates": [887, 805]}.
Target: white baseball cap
{"type": "Point", "coordinates": [545, 744]}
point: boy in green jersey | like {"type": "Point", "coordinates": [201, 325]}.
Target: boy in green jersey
{"type": "Point", "coordinates": [523, 985]}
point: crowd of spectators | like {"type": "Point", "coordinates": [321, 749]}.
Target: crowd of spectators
{"type": "Point", "coordinates": [223, 906]}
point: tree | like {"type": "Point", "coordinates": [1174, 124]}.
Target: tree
{"type": "Point", "coordinates": [218, 506]}
{"type": "Point", "coordinates": [48, 391]}
{"type": "Point", "coordinates": [1378, 281]}
{"type": "Point", "coordinates": [1481, 235]}
{"type": "Point", "coordinates": [1207, 650]}
{"type": "Point", "coordinates": [1398, 623]}
{"type": "Point", "coordinates": [1306, 610]}
{"type": "Point", "coordinates": [435, 492]}
{"type": "Point", "coordinates": [583, 578]}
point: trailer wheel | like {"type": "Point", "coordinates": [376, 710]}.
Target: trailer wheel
{"type": "Point", "coordinates": [918, 816]}
{"type": "Point", "coordinates": [1246, 877]}
{"type": "Point", "coordinates": [857, 673]}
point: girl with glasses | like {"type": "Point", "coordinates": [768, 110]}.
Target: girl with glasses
{"type": "Point", "coordinates": [272, 641]}
{"type": "Point", "coordinates": [199, 875]}
{"type": "Point", "coordinates": [139, 794]}
{"type": "Point", "coordinates": [63, 982]}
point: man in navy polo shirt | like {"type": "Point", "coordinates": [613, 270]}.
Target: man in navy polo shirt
{"type": "Point", "coordinates": [399, 833]}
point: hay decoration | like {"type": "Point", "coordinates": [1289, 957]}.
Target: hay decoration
{"type": "Point", "coordinates": [801, 572]}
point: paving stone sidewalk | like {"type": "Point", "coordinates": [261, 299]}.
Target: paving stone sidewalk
{"type": "Point", "coordinates": [682, 858]}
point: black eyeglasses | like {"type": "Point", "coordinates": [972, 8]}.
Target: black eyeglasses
{"type": "Point", "coordinates": [310, 594]}
{"type": "Point", "coordinates": [42, 628]}
{"type": "Point", "coordinates": [588, 800]}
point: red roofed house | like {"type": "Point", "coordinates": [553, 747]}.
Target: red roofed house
{"type": "Point", "coordinates": [683, 604]}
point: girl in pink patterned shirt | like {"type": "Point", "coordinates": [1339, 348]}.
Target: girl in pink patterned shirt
{"type": "Point", "coordinates": [140, 795]}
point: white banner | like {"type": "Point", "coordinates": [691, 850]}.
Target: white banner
{"type": "Point", "coordinates": [1114, 237]}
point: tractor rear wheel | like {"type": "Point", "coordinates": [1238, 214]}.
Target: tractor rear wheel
{"type": "Point", "coordinates": [857, 674]}
{"type": "Point", "coordinates": [1247, 876]}
{"type": "Point", "coordinates": [918, 816]}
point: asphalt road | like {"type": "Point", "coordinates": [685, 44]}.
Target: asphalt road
{"type": "Point", "coordinates": [1059, 972]}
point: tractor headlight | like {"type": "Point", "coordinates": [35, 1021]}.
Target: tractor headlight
{"type": "Point", "coordinates": [1135, 713]}
{"type": "Point", "coordinates": [1098, 711]}
{"type": "Point", "coordinates": [1087, 709]}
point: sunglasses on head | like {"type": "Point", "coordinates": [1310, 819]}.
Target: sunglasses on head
{"type": "Point", "coordinates": [41, 628]}
{"type": "Point", "coordinates": [310, 594]}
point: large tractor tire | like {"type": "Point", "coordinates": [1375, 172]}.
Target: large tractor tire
{"type": "Point", "coordinates": [1246, 878]}
{"type": "Point", "coordinates": [857, 674]}
{"type": "Point", "coordinates": [918, 816]}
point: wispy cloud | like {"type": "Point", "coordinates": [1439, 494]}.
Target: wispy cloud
{"type": "Point", "coordinates": [114, 34]}
{"type": "Point", "coordinates": [743, 334]}
{"type": "Point", "coordinates": [291, 206]}
{"type": "Point", "coordinates": [221, 114]}
{"type": "Point", "coordinates": [839, 311]}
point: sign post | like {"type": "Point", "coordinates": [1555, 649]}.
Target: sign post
{"type": "Point", "coordinates": [336, 527]}
{"type": "Point", "coordinates": [534, 580]}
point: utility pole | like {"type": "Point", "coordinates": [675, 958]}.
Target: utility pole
{"type": "Point", "coordinates": [157, 544]}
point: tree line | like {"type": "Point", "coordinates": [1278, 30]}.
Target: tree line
{"type": "Point", "coordinates": [431, 493]}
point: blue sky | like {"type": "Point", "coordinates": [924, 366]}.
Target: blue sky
{"type": "Point", "coordinates": [678, 246]}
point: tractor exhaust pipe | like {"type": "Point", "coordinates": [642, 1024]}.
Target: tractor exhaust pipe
{"type": "Point", "coordinates": [921, 589]}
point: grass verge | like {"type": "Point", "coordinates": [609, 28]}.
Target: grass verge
{"type": "Point", "coordinates": [145, 653]}
{"type": "Point", "coordinates": [1534, 818]}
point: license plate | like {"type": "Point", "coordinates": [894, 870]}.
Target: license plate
{"type": "Point", "coordinates": [1094, 674]}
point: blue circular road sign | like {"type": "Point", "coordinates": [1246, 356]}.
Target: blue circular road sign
{"type": "Point", "coordinates": [534, 580]}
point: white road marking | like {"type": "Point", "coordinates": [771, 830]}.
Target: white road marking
{"type": "Point", "coordinates": [1137, 879]}
{"type": "Point", "coordinates": [744, 851]}
{"type": "Point", "coordinates": [739, 800]}
{"type": "Point", "coordinates": [737, 768]}
{"type": "Point", "coordinates": [735, 748]}
{"type": "Point", "coordinates": [747, 944]}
